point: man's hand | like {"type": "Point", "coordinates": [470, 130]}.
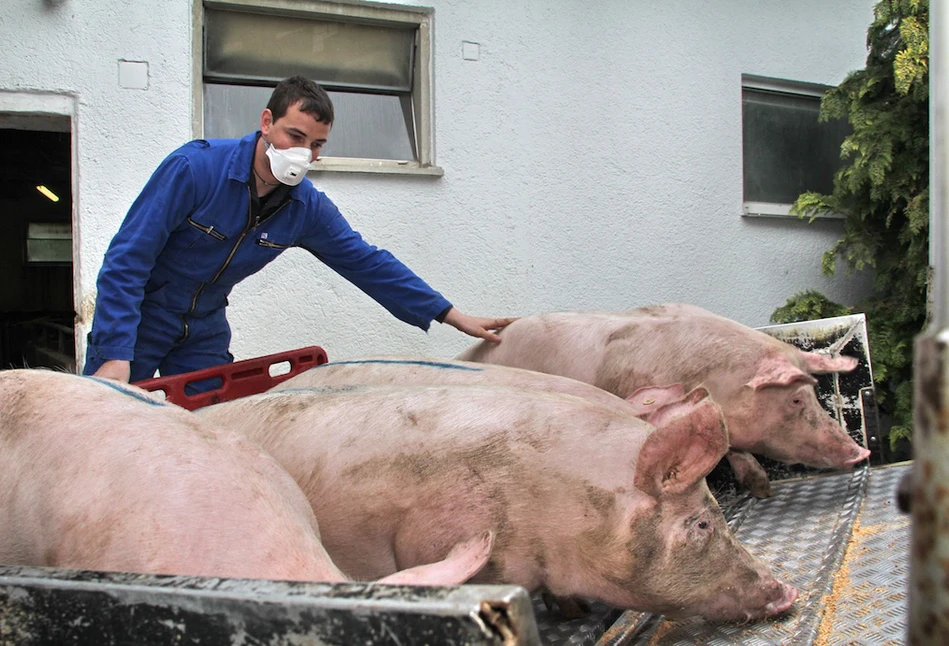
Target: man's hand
{"type": "Point", "coordinates": [476, 326]}
{"type": "Point", "coordinates": [115, 369]}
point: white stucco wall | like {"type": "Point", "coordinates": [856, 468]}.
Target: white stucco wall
{"type": "Point", "coordinates": [592, 159]}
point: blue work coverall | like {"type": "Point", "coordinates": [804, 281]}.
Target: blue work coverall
{"type": "Point", "coordinates": [191, 236]}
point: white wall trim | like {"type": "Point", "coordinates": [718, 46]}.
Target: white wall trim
{"type": "Point", "coordinates": [774, 210]}
{"type": "Point", "coordinates": [38, 102]}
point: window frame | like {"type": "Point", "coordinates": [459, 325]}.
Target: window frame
{"type": "Point", "coordinates": [423, 110]}
{"type": "Point", "coordinates": [751, 208]}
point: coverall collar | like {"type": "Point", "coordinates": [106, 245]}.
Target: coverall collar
{"type": "Point", "coordinates": [239, 167]}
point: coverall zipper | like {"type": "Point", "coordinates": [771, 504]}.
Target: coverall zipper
{"type": "Point", "coordinates": [271, 245]}
{"type": "Point", "coordinates": [252, 223]}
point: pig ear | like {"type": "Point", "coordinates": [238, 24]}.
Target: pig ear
{"type": "Point", "coordinates": [822, 363]}
{"type": "Point", "coordinates": [680, 453]}
{"type": "Point", "coordinates": [681, 406]}
{"type": "Point", "coordinates": [651, 398]}
{"type": "Point", "coordinates": [778, 371]}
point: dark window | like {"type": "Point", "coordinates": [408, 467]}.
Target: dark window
{"type": "Point", "coordinates": [786, 151]}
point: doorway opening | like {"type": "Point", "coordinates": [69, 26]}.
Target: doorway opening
{"type": "Point", "coordinates": [37, 309]}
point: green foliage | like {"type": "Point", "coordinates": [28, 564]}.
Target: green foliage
{"type": "Point", "coordinates": [807, 306]}
{"type": "Point", "coordinates": [882, 191]}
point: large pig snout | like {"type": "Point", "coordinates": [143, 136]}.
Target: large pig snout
{"type": "Point", "coordinates": [770, 599]}
{"type": "Point", "coordinates": [862, 454]}
{"type": "Point", "coordinates": [828, 446]}
{"type": "Point", "coordinates": [843, 454]}
{"type": "Point", "coordinates": [766, 597]}
{"type": "Point", "coordinates": [786, 597]}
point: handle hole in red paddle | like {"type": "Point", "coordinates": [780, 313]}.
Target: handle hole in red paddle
{"type": "Point", "coordinates": [281, 368]}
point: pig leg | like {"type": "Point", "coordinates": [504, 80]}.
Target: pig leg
{"type": "Point", "coordinates": [570, 607]}
{"type": "Point", "coordinates": [749, 473]}
{"type": "Point", "coordinates": [463, 562]}
{"type": "Point", "coordinates": [904, 493]}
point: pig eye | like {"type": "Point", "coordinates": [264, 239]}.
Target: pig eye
{"type": "Point", "coordinates": [703, 524]}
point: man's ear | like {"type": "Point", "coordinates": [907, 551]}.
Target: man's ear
{"type": "Point", "coordinates": [266, 120]}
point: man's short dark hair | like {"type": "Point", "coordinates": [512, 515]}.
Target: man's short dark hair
{"type": "Point", "coordinates": [316, 102]}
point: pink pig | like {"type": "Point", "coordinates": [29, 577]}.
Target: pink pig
{"type": "Point", "coordinates": [764, 386]}
{"type": "Point", "coordinates": [584, 499]}
{"type": "Point", "coordinates": [97, 475]}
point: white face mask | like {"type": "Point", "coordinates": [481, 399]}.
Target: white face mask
{"type": "Point", "coordinates": [289, 165]}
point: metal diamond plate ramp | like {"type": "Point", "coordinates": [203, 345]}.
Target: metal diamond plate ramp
{"type": "Point", "coordinates": [577, 632]}
{"type": "Point", "coordinates": [867, 603]}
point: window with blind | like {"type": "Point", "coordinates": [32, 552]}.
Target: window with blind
{"type": "Point", "coordinates": [374, 62]}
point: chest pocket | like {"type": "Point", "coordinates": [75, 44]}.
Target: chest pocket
{"type": "Point", "coordinates": [196, 235]}
{"type": "Point", "coordinates": [207, 229]}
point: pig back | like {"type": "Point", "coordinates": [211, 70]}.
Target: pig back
{"type": "Point", "coordinates": [392, 370]}
{"type": "Point", "coordinates": [383, 466]}
{"type": "Point", "coordinates": [101, 476]}
{"type": "Point", "coordinates": [623, 351]}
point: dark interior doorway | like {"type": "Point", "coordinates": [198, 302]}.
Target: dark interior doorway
{"type": "Point", "coordinates": [37, 312]}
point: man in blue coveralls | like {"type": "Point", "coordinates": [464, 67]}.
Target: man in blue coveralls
{"type": "Point", "coordinates": [217, 211]}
